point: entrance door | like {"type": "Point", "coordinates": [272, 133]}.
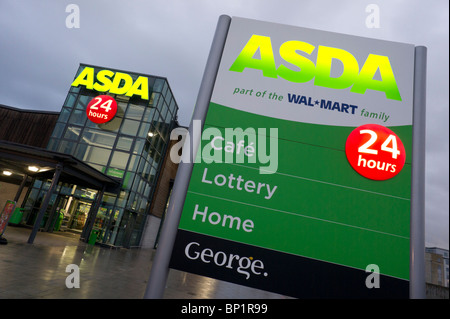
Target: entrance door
{"type": "Point", "coordinates": [56, 216]}
{"type": "Point", "coordinates": [78, 213]}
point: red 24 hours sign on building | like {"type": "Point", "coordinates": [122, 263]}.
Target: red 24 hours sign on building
{"type": "Point", "coordinates": [101, 109]}
{"type": "Point", "coordinates": [375, 152]}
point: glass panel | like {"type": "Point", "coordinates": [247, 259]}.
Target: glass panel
{"type": "Point", "coordinates": [57, 131]}
{"type": "Point", "coordinates": [52, 144]}
{"type": "Point", "coordinates": [111, 126]}
{"type": "Point", "coordinates": [108, 199]}
{"type": "Point", "coordinates": [164, 90]}
{"type": "Point", "coordinates": [122, 198]}
{"type": "Point", "coordinates": [157, 158]}
{"type": "Point", "coordinates": [149, 158]}
{"type": "Point", "coordinates": [119, 159]}
{"type": "Point", "coordinates": [151, 82]}
{"type": "Point", "coordinates": [164, 110]}
{"type": "Point", "coordinates": [137, 231]}
{"type": "Point", "coordinates": [157, 87]}
{"type": "Point", "coordinates": [149, 114]}
{"type": "Point", "coordinates": [135, 112]}
{"type": "Point", "coordinates": [83, 101]}
{"type": "Point", "coordinates": [64, 115]}
{"type": "Point", "coordinates": [169, 118]}
{"type": "Point", "coordinates": [146, 170]}
{"type": "Point", "coordinates": [70, 100]}
{"type": "Point", "coordinates": [152, 175]}
{"type": "Point", "coordinates": [147, 190]}
{"type": "Point", "coordinates": [144, 130]}
{"type": "Point", "coordinates": [141, 166]}
{"type": "Point", "coordinates": [66, 147]}
{"type": "Point", "coordinates": [121, 109]}
{"type": "Point", "coordinates": [121, 224]}
{"type": "Point", "coordinates": [160, 104]}
{"type": "Point", "coordinates": [155, 139]}
{"type": "Point", "coordinates": [124, 143]}
{"type": "Point", "coordinates": [37, 183]}
{"type": "Point", "coordinates": [92, 154]}
{"type": "Point", "coordinates": [160, 146]}
{"type": "Point", "coordinates": [132, 196]}
{"type": "Point", "coordinates": [130, 127]}
{"type": "Point", "coordinates": [33, 197]}
{"type": "Point", "coordinates": [74, 89]}
{"type": "Point", "coordinates": [141, 187]}
{"type": "Point", "coordinates": [152, 134]}
{"type": "Point", "coordinates": [142, 206]}
{"type": "Point", "coordinates": [139, 145]}
{"type": "Point", "coordinates": [153, 99]}
{"type": "Point", "coordinates": [172, 106]}
{"type": "Point", "coordinates": [164, 131]}
{"type": "Point", "coordinates": [72, 132]}
{"type": "Point", "coordinates": [98, 138]}
{"type": "Point", "coordinates": [168, 96]}
{"type": "Point", "coordinates": [114, 226]}
{"type": "Point", "coordinates": [137, 202]}
{"type": "Point", "coordinates": [128, 181]}
{"type": "Point", "coordinates": [158, 122]}
{"type": "Point", "coordinates": [78, 117]}
{"type": "Point", "coordinates": [133, 163]}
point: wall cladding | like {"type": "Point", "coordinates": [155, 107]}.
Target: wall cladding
{"type": "Point", "coordinates": [26, 126]}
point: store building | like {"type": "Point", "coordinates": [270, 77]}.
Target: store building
{"type": "Point", "coordinates": [437, 266]}
{"type": "Point", "coordinates": [110, 200]}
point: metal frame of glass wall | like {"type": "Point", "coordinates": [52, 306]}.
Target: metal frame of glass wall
{"type": "Point", "coordinates": [131, 148]}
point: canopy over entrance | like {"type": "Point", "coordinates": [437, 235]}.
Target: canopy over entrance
{"type": "Point", "coordinates": [59, 167]}
{"type": "Point", "coordinates": [41, 163]}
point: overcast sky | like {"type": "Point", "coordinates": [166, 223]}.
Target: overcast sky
{"type": "Point", "coordinates": [39, 55]}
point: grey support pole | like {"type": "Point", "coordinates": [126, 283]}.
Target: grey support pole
{"type": "Point", "coordinates": [417, 258]}
{"type": "Point", "coordinates": [160, 266]}
{"type": "Point", "coordinates": [45, 202]}
{"type": "Point", "coordinates": [21, 187]}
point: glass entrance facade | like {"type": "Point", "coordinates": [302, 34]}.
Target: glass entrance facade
{"type": "Point", "coordinates": [130, 148]}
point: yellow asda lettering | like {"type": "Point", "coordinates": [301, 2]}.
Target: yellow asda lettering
{"type": "Point", "coordinates": [114, 82]}
{"type": "Point", "coordinates": [300, 69]}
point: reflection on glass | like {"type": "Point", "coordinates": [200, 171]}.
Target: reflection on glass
{"type": "Point", "coordinates": [124, 143]}
{"type": "Point", "coordinates": [98, 138]}
{"type": "Point", "coordinates": [130, 127]}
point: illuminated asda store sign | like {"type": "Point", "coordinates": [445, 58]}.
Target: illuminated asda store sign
{"type": "Point", "coordinates": [113, 82]}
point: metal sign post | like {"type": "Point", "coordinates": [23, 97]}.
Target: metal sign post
{"type": "Point", "coordinates": [417, 257]}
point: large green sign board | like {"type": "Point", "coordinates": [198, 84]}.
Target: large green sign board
{"type": "Point", "coordinates": [273, 201]}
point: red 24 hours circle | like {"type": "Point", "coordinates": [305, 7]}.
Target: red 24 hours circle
{"type": "Point", "coordinates": [101, 109]}
{"type": "Point", "coordinates": [375, 152]}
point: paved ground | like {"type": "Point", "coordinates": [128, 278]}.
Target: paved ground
{"type": "Point", "coordinates": [38, 270]}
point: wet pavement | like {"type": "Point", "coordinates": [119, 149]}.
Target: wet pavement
{"type": "Point", "coordinates": [38, 271]}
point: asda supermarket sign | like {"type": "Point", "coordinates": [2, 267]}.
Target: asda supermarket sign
{"type": "Point", "coordinates": [298, 68]}
{"type": "Point", "coordinates": [330, 215]}
{"type": "Point", "coordinates": [112, 82]}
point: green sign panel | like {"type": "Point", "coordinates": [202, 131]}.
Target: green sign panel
{"type": "Point", "coordinates": [274, 201]}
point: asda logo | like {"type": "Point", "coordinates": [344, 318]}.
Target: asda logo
{"type": "Point", "coordinates": [113, 82]}
{"type": "Point", "coordinates": [246, 266]}
{"type": "Point", "coordinates": [298, 68]}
